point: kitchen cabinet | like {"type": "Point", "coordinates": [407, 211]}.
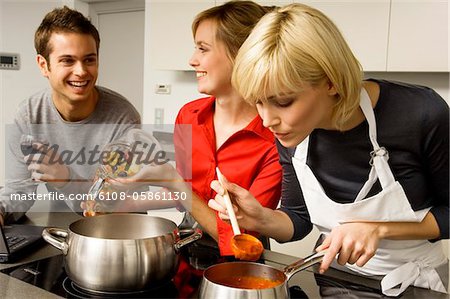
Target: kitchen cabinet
{"type": "Point", "coordinates": [418, 37]}
{"type": "Point", "coordinates": [262, 2]}
{"type": "Point", "coordinates": [365, 26]}
{"type": "Point", "coordinates": [171, 42]}
{"type": "Point", "coordinates": [393, 35]}
{"type": "Point", "coordinates": [385, 35]}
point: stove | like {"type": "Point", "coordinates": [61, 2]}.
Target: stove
{"type": "Point", "coordinates": [71, 290]}
{"type": "Point", "coordinates": [49, 274]}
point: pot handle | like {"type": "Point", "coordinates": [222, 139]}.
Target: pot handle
{"type": "Point", "coordinates": [197, 234]}
{"type": "Point", "coordinates": [302, 264]}
{"type": "Point", "coordinates": [50, 235]}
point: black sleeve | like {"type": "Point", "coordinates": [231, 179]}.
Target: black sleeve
{"type": "Point", "coordinates": [292, 202]}
{"type": "Point", "coordinates": [436, 158]}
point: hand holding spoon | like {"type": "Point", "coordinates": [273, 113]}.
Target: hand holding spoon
{"type": "Point", "coordinates": [244, 246]}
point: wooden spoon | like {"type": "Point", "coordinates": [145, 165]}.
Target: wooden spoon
{"type": "Point", "coordinates": [245, 247]}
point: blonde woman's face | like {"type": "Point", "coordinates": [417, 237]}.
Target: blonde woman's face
{"type": "Point", "coordinates": [210, 61]}
{"type": "Point", "coordinates": [292, 117]}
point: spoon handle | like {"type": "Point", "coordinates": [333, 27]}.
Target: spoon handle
{"type": "Point", "coordinates": [226, 197]}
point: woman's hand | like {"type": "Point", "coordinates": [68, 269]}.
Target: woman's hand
{"type": "Point", "coordinates": [354, 243]}
{"type": "Point", "coordinates": [249, 212]}
{"type": "Point", "coordinates": [164, 175]}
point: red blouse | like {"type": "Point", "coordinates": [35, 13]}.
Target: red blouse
{"type": "Point", "coordinates": [248, 158]}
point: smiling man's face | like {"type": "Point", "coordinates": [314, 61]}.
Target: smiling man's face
{"type": "Point", "coordinates": [72, 69]}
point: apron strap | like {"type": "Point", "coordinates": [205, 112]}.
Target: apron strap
{"type": "Point", "coordinates": [379, 156]}
{"type": "Point", "coordinates": [367, 186]}
{"type": "Point", "coordinates": [366, 107]}
{"type": "Point", "coordinates": [301, 151]}
{"type": "Point", "coordinates": [411, 273]}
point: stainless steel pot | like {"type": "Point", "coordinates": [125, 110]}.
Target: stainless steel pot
{"type": "Point", "coordinates": [225, 280]}
{"type": "Point", "coordinates": [119, 252]}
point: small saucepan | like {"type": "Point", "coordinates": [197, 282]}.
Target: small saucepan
{"type": "Point", "coordinates": [251, 280]}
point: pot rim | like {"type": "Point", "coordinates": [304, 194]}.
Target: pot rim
{"type": "Point", "coordinates": [237, 263]}
{"type": "Point", "coordinates": [175, 231]}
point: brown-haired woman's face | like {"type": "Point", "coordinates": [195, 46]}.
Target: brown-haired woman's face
{"type": "Point", "coordinates": [212, 66]}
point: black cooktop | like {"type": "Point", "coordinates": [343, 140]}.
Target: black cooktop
{"type": "Point", "coordinates": [49, 274]}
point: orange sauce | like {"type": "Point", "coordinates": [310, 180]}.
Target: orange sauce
{"type": "Point", "coordinates": [246, 247]}
{"type": "Point", "coordinates": [250, 282]}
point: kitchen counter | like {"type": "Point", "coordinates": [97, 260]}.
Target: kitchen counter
{"type": "Point", "coordinates": [308, 280]}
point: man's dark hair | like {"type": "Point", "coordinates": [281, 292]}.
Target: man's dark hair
{"type": "Point", "coordinates": [62, 20]}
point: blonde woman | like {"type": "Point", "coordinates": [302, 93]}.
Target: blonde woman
{"type": "Point", "coordinates": [365, 161]}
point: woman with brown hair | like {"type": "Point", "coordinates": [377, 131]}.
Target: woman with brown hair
{"type": "Point", "coordinates": [220, 130]}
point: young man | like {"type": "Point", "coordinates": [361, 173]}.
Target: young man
{"type": "Point", "coordinates": [76, 118]}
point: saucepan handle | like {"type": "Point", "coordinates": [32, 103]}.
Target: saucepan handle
{"type": "Point", "coordinates": [57, 238]}
{"type": "Point", "coordinates": [302, 264]}
{"type": "Point", "coordinates": [197, 234]}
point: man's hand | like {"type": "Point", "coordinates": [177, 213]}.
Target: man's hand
{"type": "Point", "coordinates": [46, 166]}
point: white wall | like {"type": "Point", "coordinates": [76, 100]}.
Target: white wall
{"type": "Point", "coordinates": [183, 90]}
{"type": "Point", "coordinates": [19, 20]}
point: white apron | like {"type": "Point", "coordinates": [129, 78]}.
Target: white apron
{"type": "Point", "coordinates": [402, 262]}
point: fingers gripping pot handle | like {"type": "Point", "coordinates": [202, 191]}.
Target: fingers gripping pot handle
{"type": "Point", "coordinates": [57, 238]}
{"type": "Point", "coordinates": [302, 264]}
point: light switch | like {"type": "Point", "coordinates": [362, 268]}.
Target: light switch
{"type": "Point", "coordinates": [159, 117]}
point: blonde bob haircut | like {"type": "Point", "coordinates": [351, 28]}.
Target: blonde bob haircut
{"type": "Point", "coordinates": [293, 45]}
{"type": "Point", "coordinates": [234, 21]}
